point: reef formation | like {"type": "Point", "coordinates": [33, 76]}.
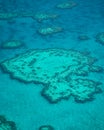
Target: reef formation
{"type": "Point", "coordinates": [49, 30]}
{"type": "Point", "coordinates": [100, 38]}
{"type": "Point", "coordinates": [63, 73]}
{"type": "Point", "coordinates": [83, 38]}
{"type": "Point", "coordinates": [6, 16]}
{"type": "Point", "coordinates": [44, 16]}
{"type": "Point", "coordinates": [11, 44]}
{"type": "Point", "coordinates": [66, 5]}
{"type": "Point", "coordinates": [6, 125]}
{"type": "Point", "coordinates": [37, 16]}
{"type": "Point", "coordinates": [46, 127]}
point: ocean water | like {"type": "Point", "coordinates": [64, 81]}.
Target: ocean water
{"type": "Point", "coordinates": [22, 102]}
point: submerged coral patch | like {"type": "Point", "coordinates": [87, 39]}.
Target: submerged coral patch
{"type": "Point", "coordinates": [6, 16]}
{"type": "Point", "coordinates": [46, 127]}
{"type": "Point", "coordinates": [83, 37]}
{"type": "Point", "coordinates": [6, 125]}
{"type": "Point", "coordinates": [100, 38]}
{"type": "Point", "coordinates": [49, 30]}
{"type": "Point", "coordinates": [62, 72]}
{"type": "Point", "coordinates": [11, 44]}
{"type": "Point", "coordinates": [44, 16]}
{"type": "Point", "coordinates": [66, 5]}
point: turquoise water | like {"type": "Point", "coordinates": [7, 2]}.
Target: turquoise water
{"type": "Point", "coordinates": [22, 102]}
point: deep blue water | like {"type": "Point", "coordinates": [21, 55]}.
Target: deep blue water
{"type": "Point", "coordinates": [22, 103]}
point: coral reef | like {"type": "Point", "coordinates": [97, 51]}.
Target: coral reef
{"type": "Point", "coordinates": [26, 14]}
{"type": "Point", "coordinates": [38, 16]}
{"type": "Point", "coordinates": [66, 5]}
{"type": "Point", "coordinates": [44, 16]}
{"type": "Point", "coordinates": [100, 38]}
{"type": "Point", "coordinates": [10, 15]}
{"type": "Point", "coordinates": [49, 30]}
{"type": "Point", "coordinates": [6, 16]}
{"type": "Point", "coordinates": [6, 125]}
{"type": "Point", "coordinates": [62, 72]}
{"type": "Point", "coordinates": [96, 68]}
{"type": "Point", "coordinates": [46, 127]}
{"type": "Point", "coordinates": [11, 44]}
{"type": "Point", "coordinates": [83, 37]}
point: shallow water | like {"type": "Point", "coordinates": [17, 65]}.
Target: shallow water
{"type": "Point", "coordinates": [21, 102]}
